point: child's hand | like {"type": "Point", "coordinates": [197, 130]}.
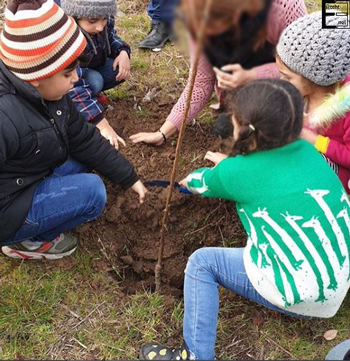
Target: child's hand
{"type": "Point", "coordinates": [140, 189]}
{"type": "Point", "coordinates": [215, 157]}
{"type": "Point", "coordinates": [238, 77]}
{"type": "Point", "coordinates": [108, 132]}
{"type": "Point", "coordinates": [124, 66]}
{"type": "Point", "coordinates": [308, 135]}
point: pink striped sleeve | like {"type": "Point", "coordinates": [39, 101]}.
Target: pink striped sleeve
{"type": "Point", "coordinates": [282, 14]}
{"type": "Point", "coordinates": [267, 71]}
{"type": "Point", "coordinates": [202, 92]}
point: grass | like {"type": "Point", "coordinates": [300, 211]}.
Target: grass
{"type": "Point", "coordinates": [313, 5]}
{"type": "Point", "coordinates": [27, 310]}
{"type": "Point", "coordinates": [119, 92]}
{"type": "Point", "coordinates": [80, 314]}
{"type": "Point", "coordinates": [76, 311]}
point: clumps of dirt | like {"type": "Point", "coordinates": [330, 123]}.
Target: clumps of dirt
{"type": "Point", "coordinates": [127, 208]}
{"type": "Point", "coordinates": [194, 222]}
{"type": "Point", "coordinates": [128, 232]}
{"type": "Point", "coordinates": [150, 214]}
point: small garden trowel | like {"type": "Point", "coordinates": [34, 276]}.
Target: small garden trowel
{"type": "Point", "coordinates": [165, 184]}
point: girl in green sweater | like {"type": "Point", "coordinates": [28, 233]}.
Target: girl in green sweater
{"type": "Point", "coordinates": [294, 209]}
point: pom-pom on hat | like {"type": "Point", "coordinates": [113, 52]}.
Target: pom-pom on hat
{"type": "Point", "coordinates": [320, 55]}
{"type": "Point", "coordinates": [93, 9]}
{"type": "Point", "coordinates": [38, 39]}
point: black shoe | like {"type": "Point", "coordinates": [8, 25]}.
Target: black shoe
{"type": "Point", "coordinates": [223, 126]}
{"type": "Point", "coordinates": [151, 351]}
{"type": "Point", "coordinates": [157, 37]}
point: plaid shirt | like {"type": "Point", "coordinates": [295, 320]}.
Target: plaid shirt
{"type": "Point", "coordinates": [111, 46]}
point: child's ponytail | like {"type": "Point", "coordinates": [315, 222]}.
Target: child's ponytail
{"type": "Point", "coordinates": [246, 139]}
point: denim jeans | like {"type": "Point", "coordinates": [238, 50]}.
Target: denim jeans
{"type": "Point", "coordinates": [102, 78]}
{"type": "Point", "coordinates": [66, 199]}
{"type": "Point", "coordinates": [206, 270]}
{"type": "Point", "coordinates": [162, 11]}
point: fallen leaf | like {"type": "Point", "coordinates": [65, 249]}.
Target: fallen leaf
{"type": "Point", "coordinates": [330, 335]}
{"type": "Point", "coordinates": [151, 94]}
{"type": "Point", "coordinates": [257, 320]}
{"type": "Point", "coordinates": [215, 106]}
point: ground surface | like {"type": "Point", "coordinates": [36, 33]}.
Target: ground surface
{"type": "Point", "coordinates": [130, 231]}
{"type": "Point", "coordinates": [100, 302]}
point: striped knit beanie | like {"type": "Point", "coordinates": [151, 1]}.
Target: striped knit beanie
{"type": "Point", "coordinates": [93, 9]}
{"type": "Point", "coordinates": [38, 39]}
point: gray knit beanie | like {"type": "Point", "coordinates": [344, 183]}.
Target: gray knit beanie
{"type": "Point", "coordinates": [94, 9]}
{"type": "Point", "coordinates": [320, 55]}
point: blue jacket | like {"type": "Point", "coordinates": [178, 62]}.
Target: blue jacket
{"type": "Point", "coordinates": [81, 95]}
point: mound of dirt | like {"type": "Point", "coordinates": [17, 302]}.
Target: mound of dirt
{"type": "Point", "coordinates": [129, 232]}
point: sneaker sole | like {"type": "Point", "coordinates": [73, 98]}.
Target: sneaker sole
{"type": "Point", "coordinates": [33, 255]}
{"type": "Point", "coordinates": [141, 355]}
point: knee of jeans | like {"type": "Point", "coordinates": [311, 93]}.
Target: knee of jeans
{"type": "Point", "coordinates": [98, 194]}
{"type": "Point", "coordinates": [201, 256]}
{"type": "Point", "coordinates": [199, 267]}
{"type": "Point", "coordinates": [199, 259]}
{"type": "Point", "coordinates": [101, 194]}
{"type": "Point", "coordinates": [96, 83]}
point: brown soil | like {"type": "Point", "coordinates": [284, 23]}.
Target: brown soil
{"type": "Point", "coordinates": [128, 233]}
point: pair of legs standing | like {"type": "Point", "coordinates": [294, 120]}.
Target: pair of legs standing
{"type": "Point", "coordinates": [62, 201]}
{"type": "Point", "coordinates": [162, 13]}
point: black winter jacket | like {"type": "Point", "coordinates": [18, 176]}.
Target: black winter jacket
{"type": "Point", "coordinates": [37, 136]}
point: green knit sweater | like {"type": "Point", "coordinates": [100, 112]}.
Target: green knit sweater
{"type": "Point", "coordinates": [297, 216]}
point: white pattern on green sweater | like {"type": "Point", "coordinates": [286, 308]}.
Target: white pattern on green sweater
{"type": "Point", "coordinates": [296, 214]}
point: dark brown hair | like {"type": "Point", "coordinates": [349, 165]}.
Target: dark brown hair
{"type": "Point", "coordinates": [270, 115]}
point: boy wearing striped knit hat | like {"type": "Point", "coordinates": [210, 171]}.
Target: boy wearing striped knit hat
{"type": "Point", "coordinates": [46, 147]}
{"type": "Point", "coordinates": [106, 63]}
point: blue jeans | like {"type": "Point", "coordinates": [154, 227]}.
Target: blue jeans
{"type": "Point", "coordinates": [206, 270]}
{"type": "Point", "coordinates": [65, 200]}
{"type": "Point", "coordinates": [162, 11]}
{"type": "Point", "coordinates": [102, 78]}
